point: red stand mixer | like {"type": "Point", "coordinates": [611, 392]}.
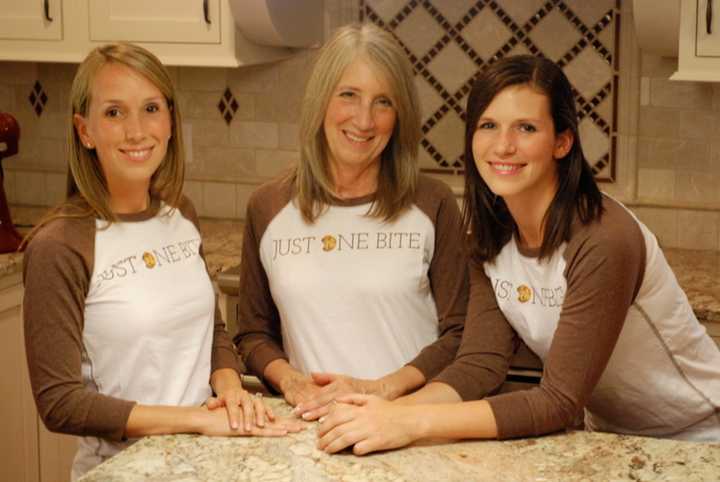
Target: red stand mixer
{"type": "Point", "coordinates": [10, 239]}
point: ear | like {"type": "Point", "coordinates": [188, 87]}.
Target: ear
{"type": "Point", "coordinates": [563, 144]}
{"type": "Point", "coordinates": [81, 128]}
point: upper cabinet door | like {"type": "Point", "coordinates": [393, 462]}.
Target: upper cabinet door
{"type": "Point", "coordinates": [182, 21]}
{"type": "Point", "coordinates": [30, 20]}
{"type": "Point", "coordinates": [708, 28]}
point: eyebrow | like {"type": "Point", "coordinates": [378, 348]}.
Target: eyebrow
{"type": "Point", "coordinates": [119, 101]}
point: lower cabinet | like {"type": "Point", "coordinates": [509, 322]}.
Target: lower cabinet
{"type": "Point", "coordinates": [30, 453]}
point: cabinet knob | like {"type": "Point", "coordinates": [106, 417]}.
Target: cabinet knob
{"type": "Point", "coordinates": [46, 5]}
{"type": "Point", "coordinates": [206, 12]}
{"type": "Point", "coordinates": [708, 16]}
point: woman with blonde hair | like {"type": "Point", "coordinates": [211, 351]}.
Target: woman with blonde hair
{"type": "Point", "coordinates": [352, 275]}
{"type": "Point", "coordinates": [122, 333]}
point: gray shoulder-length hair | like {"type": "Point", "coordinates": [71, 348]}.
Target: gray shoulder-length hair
{"type": "Point", "coordinates": [397, 178]}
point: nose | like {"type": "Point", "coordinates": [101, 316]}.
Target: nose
{"type": "Point", "coordinates": [134, 129]}
{"type": "Point", "coordinates": [364, 118]}
{"type": "Point", "coordinates": [505, 143]}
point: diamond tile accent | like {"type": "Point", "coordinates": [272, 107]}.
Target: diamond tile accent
{"type": "Point", "coordinates": [228, 106]}
{"type": "Point", "coordinates": [554, 35]}
{"type": "Point", "coordinates": [447, 136]}
{"type": "Point", "coordinates": [452, 68]}
{"type": "Point", "coordinates": [590, 12]}
{"type": "Point", "coordinates": [447, 42]}
{"type": "Point", "coordinates": [430, 100]}
{"type": "Point", "coordinates": [588, 73]}
{"type": "Point", "coordinates": [38, 98]}
{"type": "Point", "coordinates": [419, 32]}
{"type": "Point", "coordinates": [523, 10]}
{"type": "Point", "coordinates": [387, 9]}
{"type": "Point", "coordinates": [486, 34]}
{"type": "Point", "coordinates": [455, 10]}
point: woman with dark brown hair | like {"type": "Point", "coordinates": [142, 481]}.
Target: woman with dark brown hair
{"type": "Point", "coordinates": [568, 270]}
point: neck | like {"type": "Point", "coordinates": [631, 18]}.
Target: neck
{"type": "Point", "coordinates": [529, 215]}
{"type": "Point", "coordinates": [355, 181]}
{"type": "Point", "coordinates": [129, 201]}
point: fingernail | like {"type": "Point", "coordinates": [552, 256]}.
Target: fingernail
{"type": "Point", "coordinates": [321, 419]}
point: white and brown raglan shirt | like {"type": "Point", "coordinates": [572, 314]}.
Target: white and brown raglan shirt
{"type": "Point", "coordinates": [350, 293]}
{"type": "Point", "coordinates": [119, 315]}
{"type": "Point", "coordinates": [613, 327]}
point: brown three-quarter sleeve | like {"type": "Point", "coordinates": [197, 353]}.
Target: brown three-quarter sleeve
{"type": "Point", "coordinates": [259, 338]}
{"type": "Point", "coordinates": [56, 276]}
{"type": "Point", "coordinates": [605, 265]}
{"type": "Point", "coordinates": [488, 342]}
{"type": "Point", "coordinates": [448, 276]}
{"type": "Point", "coordinates": [223, 352]}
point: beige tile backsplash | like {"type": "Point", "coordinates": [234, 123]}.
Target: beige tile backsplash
{"type": "Point", "coordinates": [669, 152]}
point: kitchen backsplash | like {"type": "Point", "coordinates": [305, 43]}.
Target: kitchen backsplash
{"type": "Point", "coordinates": [242, 123]}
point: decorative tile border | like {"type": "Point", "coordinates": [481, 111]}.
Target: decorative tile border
{"type": "Point", "coordinates": [533, 31]}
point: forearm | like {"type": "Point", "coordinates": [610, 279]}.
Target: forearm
{"type": "Point", "coordinates": [223, 379]}
{"type": "Point", "coordinates": [431, 393]}
{"type": "Point", "coordinates": [279, 372]}
{"type": "Point", "coordinates": [399, 382]}
{"type": "Point", "coordinates": [159, 419]}
{"type": "Point", "coordinates": [455, 420]}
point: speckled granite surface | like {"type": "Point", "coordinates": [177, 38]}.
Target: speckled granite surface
{"type": "Point", "coordinates": [697, 271]}
{"type": "Point", "coordinates": [575, 456]}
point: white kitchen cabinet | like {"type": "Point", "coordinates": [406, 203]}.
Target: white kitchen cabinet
{"type": "Point", "coordinates": [37, 20]}
{"type": "Point", "coordinates": [183, 21]}
{"type": "Point", "coordinates": [18, 430]}
{"type": "Point", "coordinates": [179, 32]}
{"type": "Point", "coordinates": [29, 452]}
{"type": "Point", "coordinates": [698, 48]}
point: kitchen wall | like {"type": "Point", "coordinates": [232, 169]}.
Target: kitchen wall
{"type": "Point", "coordinates": [241, 125]}
{"type": "Point", "coordinates": [667, 156]}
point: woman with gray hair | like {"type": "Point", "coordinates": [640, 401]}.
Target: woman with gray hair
{"type": "Point", "coordinates": [352, 276]}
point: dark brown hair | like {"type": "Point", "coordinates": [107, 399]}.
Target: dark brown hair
{"type": "Point", "coordinates": [486, 216]}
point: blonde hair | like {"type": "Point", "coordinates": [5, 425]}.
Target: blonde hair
{"type": "Point", "coordinates": [87, 192]}
{"type": "Point", "coordinates": [397, 178]}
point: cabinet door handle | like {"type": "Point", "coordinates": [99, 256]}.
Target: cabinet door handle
{"type": "Point", "coordinates": [206, 12]}
{"type": "Point", "coordinates": [708, 17]}
{"type": "Point", "coordinates": [46, 5]}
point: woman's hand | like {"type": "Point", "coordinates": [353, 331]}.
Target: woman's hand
{"type": "Point", "coordinates": [333, 386]}
{"type": "Point", "coordinates": [368, 423]}
{"type": "Point", "coordinates": [215, 423]}
{"type": "Point", "coordinates": [231, 395]}
{"type": "Point", "coordinates": [299, 388]}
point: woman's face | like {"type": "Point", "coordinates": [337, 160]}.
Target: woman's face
{"type": "Point", "coordinates": [128, 124]}
{"type": "Point", "coordinates": [516, 148]}
{"type": "Point", "coordinates": [360, 117]}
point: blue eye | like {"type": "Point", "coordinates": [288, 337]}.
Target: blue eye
{"type": "Point", "coordinates": [486, 125]}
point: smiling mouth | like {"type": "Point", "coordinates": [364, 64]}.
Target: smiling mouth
{"type": "Point", "coordinates": [138, 154]}
{"type": "Point", "coordinates": [356, 138]}
{"type": "Point", "coordinates": [505, 168]}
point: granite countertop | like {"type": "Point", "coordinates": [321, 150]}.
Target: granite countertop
{"type": "Point", "coordinates": [572, 456]}
{"type": "Point", "coordinates": [697, 271]}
